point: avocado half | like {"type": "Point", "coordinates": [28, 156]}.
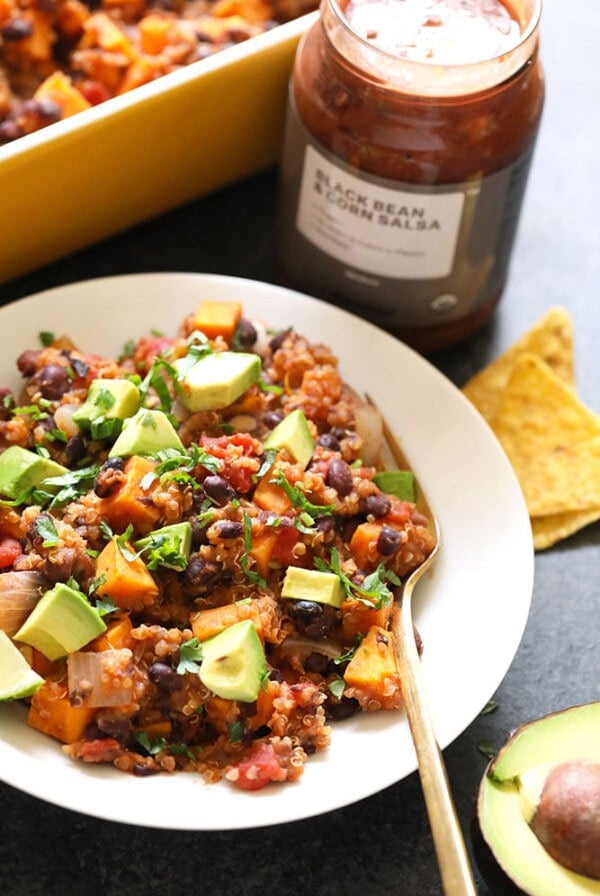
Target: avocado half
{"type": "Point", "coordinates": [569, 735]}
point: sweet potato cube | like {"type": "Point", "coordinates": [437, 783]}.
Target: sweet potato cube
{"type": "Point", "coordinates": [128, 582]}
{"type": "Point", "coordinates": [52, 713]}
{"type": "Point", "coordinates": [372, 673]}
{"type": "Point", "coordinates": [131, 502]}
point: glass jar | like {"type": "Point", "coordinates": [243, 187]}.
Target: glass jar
{"type": "Point", "coordinates": [402, 180]}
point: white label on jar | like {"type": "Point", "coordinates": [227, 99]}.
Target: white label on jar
{"type": "Point", "coordinates": [376, 229]}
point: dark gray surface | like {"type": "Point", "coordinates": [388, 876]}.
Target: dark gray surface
{"type": "Point", "coordinates": [382, 845]}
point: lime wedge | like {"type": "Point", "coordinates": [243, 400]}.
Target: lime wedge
{"type": "Point", "coordinates": [17, 678]}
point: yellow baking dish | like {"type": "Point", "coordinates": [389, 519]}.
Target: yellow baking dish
{"type": "Point", "coordinates": [140, 154]}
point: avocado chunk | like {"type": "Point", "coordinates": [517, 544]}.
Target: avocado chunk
{"type": "Point", "coordinates": [21, 470]}
{"type": "Point", "coordinates": [294, 435]}
{"type": "Point", "coordinates": [169, 546]}
{"type": "Point", "coordinates": [107, 400]}
{"type": "Point", "coordinates": [17, 678]}
{"type": "Point", "coordinates": [147, 432]}
{"type": "Point", "coordinates": [510, 798]}
{"type": "Point", "coordinates": [233, 663]}
{"type": "Point", "coordinates": [400, 483]}
{"type": "Point", "coordinates": [61, 622]}
{"type": "Point", "coordinates": [311, 584]}
{"type": "Point", "coordinates": [217, 380]}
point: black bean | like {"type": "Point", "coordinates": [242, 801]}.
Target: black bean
{"type": "Point", "coordinates": [111, 725]}
{"type": "Point", "coordinates": [316, 662]}
{"type": "Point", "coordinates": [329, 441]}
{"type": "Point", "coordinates": [27, 362]}
{"type": "Point", "coordinates": [199, 534]}
{"type": "Point", "coordinates": [17, 29]}
{"type": "Point", "coordinates": [339, 476]}
{"type": "Point", "coordinates": [75, 449]}
{"type": "Point", "coordinates": [278, 340]}
{"type": "Point", "coordinates": [313, 620]}
{"type": "Point", "coordinates": [144, 771]}
{"type": "Point", "coordinates": [218, 490]}
{"type": "Point", "coordinates": [114, 463]}
{"type": "Point", "coordinates": [200, 574]}
{"type": "Point", "coordinates": [377, 505]}
{"type": "Point", "coordinates": [389, 541]}
{"type": "Point", "coordinates": [229, 528]}
{"type": "Point", "coordinates": [276, 675]}
{"type": "Point", "coordinates": [347, 525]}
{"type": "Point", "coordinates": [272, 418]}
{"type": "Point", "coordinates": [79, 366]}
{"type": "Point", "coordinates": [325, 523]}
{"type": "Point", "coordinates": [342, 709]}
{"type": "Point", "coordinates": [246, 333]}
{"type": "Point", "coordinates": [165, 677]}
{"type": "Point", "coordinates": [110, 476]}
{"type": "Point", "coordinates": [52, 381]}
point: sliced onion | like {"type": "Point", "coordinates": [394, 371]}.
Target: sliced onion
{"type": "Point", "coordinates": [369, 426]}
{"type": "Point", "coordinates": [101, 679]}
{"type": "Point", "coordinates": [63, 417]}
{"type": "Point", "coordinates": [303, 647]}
{"type": "Point", "coordinates": [263, 338]}
{"type": "Point", "coordinates": [19, 593]}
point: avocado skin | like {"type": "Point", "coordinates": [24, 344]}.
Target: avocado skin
{"type": "Point", "coordinates": [507, 850]}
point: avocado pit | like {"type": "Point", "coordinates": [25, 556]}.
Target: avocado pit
{"type": "Point", "coordinates": [561, 804]}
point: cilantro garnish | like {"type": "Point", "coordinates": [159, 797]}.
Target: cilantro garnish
{"type": "Point", "coordinates": [268, 459]}
{"type": "Point", "coordinates": [44, 526]}
{"type": "Point", "coordinates": [151, 744]}
{"type": "Point", "coordinates": [122, 544]}
{"type": "Point", "coordinates": [190, 656]}
{"type": "Point", "coordinates": [269, 387]}
{"type": "Point", "coordinates": [106, 530]}
{"type": "Point", "coordinates": [374, 589]}
{"type": "Point", "coordinates": [31, 410]}
{"type": "Point", "coordinates": [337, 687]}
{"type": "Point", "coordinates": [198, 347]}
{"type": "Point", "coordinates": [46, 338]}
{"type": "Point", "coordinates": [70, 486]}
{"type": "Point", "coordinates": [348, 655]}
{"type": "Point", "coordinates": [298, 498]}
{"type": "Point", "coordinates": [105, 606]}
{"type": "Point", "coordinates": [247, 530]}
{"type": "Point", "coordinates": [176, 463]}
{"type": "Point", "coordinates": [57, 435]}
{"type": "Point", "coordinates": [105, 428]}
{"type": "Point", "coordinates": [236, 732]}
{"type": "Point", "coordinates": [250, 574]}
{"type": "Point", "coordinates": [164, 551]}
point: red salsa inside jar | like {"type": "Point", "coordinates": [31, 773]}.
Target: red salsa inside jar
{"type": "Point", "coordinates": [410, 132]}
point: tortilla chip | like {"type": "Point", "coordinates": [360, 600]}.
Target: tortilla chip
{"type": "Point", "coordinates": [552, 440]}
{"type": "Point", "coordinates": [551, 339]}
{"type": "Point", "coordinates": [547, 530]}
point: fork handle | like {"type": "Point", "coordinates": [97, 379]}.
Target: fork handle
{"type": "Point", "coordinates": [455, 869]}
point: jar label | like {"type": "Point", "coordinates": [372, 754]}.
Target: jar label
{"type": "Point", "coordinates": [376, 228]}
{"type": "Point", "coordinates": [404, 255]}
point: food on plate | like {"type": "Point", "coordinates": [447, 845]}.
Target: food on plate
{"type": "Point", "coordinates": [198, 551]}
{"type": "Point", "coordinates": [552, 440]}
{"type": "Point", "coordinates": [61, 57]}
{"type": "Point", "coordinates": [539, 805]}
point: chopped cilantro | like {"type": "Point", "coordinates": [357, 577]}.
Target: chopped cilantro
{"type": "Point", "coordinates": [347, 656]}
{"type": "Point", "coordinates": [70, 486]}
{"type": "Point", "coordinates": [106, 530]}
{"type": "Point", "coordinates": [46, 337]}
{"type": "Point", "coordinates": [236, 732]}
{"type": "Point", "coordinates": [190, 656]}
{"type": "Point", "coordinates": [105, 606]}
{"type": "Point", "coordinates": [102, 428]}
{"type": "Point", "coordinates": [128, 349]}
{"type": "Point", "coordinates": [486, 748]}
{"type": "Point", "coordinates": [247, 531]}
{"type": "Point", "coordinates": [299, 499]}
{"type": "Point", "coordinates": [337, 687]}
{"type": "Point", "coordinates": [57, 435]}
{"type": "Point", "coordinates": [44, 526]}
{"type": "Point", "coordinates": [151, 744]}
{"type": "Point", "coordinates": [269, 387]}
{"type": "Point", "coordinates": [250, 574]}
{"type": "Point", "coordinates": [164, 551]}
{"type": "Point", "coordinates": [490, 707]}
{"type": "Point", "coordinates": [31, 410]}
{"type": "Point", "coordinates": [374, 590]}
{"type": "Point", "coordinates": [267, 462]}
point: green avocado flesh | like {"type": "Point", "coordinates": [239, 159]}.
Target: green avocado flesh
{"type": "Point", "coordinates": [147, 432]}
{"type": "Point", "coordinates": [61, 622]}
{"type": "Point", "coordinates": [233, 663]}
{"type": "Point", "coordinates": [311, 584]}
{"type": "Point", "coordinates": [21, 470]}
{"type": "Point", "coordinates": [294, 435]}
{"type": "Point", "coordinates": [559, 737]}
{"type": "Point", "coordinates": [17, 678]}
{"type": "Point", "coordinates": [110, 399]}
{"type": "Point", "coordinates": [400, 483]}
{"type": "Point", "coordinates": [218, 379]}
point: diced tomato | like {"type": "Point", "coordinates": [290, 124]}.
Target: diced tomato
{"type": "Point", "coordinates": [229, 449]}
{"type": "Point", "coordinates": [258, 768]}
{"type": "Point", "coordinates": [148, 349]}
{"type": "Point", "coordinates": [10, 549]}
{"type": "Point", "coordinates": [94, 92]}
{"type": "Point", "coordinates": [218, 445]}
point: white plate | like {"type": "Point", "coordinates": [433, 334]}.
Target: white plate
{"type": "Point", "coordinates": [470, 621]}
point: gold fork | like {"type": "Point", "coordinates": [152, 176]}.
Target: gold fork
{"type": "Point", "coordinates": [455, 869]}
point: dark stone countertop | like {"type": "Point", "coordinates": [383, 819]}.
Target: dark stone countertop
{"type": "Point", "coordinates": [382, 845]}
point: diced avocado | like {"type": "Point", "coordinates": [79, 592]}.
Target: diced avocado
{"type": "Point", "coordinates": [21, 470]}
{"type": "Point", "coordinates": [217, 380]}
{"type": "Point", "coordinates": [146, 433]}
{"type": "Point", "coordinates": [61, 622]}
{"type": "Point", "coordinates": [294, 435]}
{"type": "Point", "coordinates": [311, 584]}
{"type": "Point", "coordinates": [233, 663]}
{"type": "Point", "coordinates": [400, 483]}
{"type": "Point", "coordinates": [109, 399]}
{"type": "Point", "coordinates": [17, 678]}
{"type": "Point", "coordinates": [171, 546]}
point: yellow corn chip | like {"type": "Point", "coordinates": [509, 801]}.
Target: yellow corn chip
{"type": "Point", "coordinates": [547, 530]}
{"type": "Point", "coordinates": [552, 440]}
{"type": "Point", "coordinates": [551, 339]}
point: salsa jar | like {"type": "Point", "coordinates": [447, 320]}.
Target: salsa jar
{"type": "Point", "coordinates": [410, 130]}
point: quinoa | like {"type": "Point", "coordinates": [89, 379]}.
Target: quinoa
{"type": "Point", "coordinates": [135, 695]}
